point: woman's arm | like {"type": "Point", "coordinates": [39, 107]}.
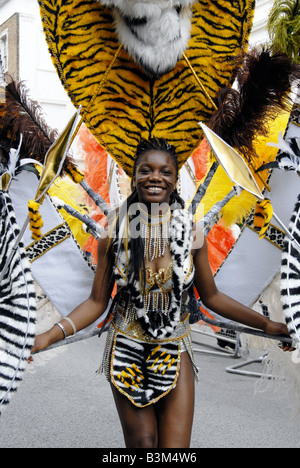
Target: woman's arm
{"type": "Point", "coordinates": [92, 308]}
{"type": "Point", "coordinates": [225, 306]}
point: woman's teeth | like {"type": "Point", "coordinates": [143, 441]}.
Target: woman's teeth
{"type": "Point", "coordinates": [155, 189]}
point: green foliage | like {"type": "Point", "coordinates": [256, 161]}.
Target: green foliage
{"type": "Point", "coordinates": [284, 27]}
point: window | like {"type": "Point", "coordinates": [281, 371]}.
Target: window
{"type": "Point", "coordinates": [4, 51]}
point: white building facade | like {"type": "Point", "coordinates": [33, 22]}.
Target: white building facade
{"type": "Point", "coordinates": [25, 56]}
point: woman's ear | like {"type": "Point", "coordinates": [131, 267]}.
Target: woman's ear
{"type": "Point", "coordinates": [133, 183]}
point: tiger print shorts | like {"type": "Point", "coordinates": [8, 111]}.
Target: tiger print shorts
{"type": "Point", "coordinates": [144, 372]}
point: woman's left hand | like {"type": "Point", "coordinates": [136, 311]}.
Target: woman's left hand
{"type": "Point", "coordinates": [277, 328]}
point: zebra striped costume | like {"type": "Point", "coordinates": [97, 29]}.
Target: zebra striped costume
{"type": "Point", "coordinates": [143, 361]}
{"type": "Point", "coordinates": [17, 305]}
{"type": "Point", "coordinates": [290, 277]}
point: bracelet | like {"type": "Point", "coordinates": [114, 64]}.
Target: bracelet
{"type": "Point", "coordinates": [62, 329]}
{"type": "Point", "coordinates": [72, 325]}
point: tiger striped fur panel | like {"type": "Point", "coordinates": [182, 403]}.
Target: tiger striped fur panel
{"type": "Point", "coordinates": [17, 305]}
{"type": "Point", "coordinates": [290, 278]}
{"type": "Point", "coordinates": [121, 103]}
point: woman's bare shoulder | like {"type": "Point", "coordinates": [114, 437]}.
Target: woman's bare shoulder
{"type": "Point", "coordinates": [198, 238]}
{"type": "Point", "coordinates": [104, 241]}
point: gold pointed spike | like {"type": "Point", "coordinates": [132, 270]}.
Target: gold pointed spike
{"type": "Point", "coordinates": [5, 180]}
{"type": "Point", "coordinates": [55, 157]}
{"type": "Point", "coordinates": [232, 163]}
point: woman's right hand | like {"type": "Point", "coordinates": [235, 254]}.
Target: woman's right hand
{"type": "Point", "coordinates": [41, 342]}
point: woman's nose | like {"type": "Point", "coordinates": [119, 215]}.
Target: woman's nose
{"type": "Point", "coordinates": [155, 175]}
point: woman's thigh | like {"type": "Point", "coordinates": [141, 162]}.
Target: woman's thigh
{"type": "Point", "coordinates": [175, 412]}
{"type": "Point", "coordinates": [139, 424]}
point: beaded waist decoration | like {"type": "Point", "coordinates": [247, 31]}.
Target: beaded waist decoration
{"type": "Point", "coordinates": [129, 325]}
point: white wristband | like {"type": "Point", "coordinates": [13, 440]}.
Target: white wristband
{"type": "Point", "coordinates": [72, 325]}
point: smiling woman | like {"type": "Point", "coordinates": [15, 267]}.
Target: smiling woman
{"type": "Point", "coordinates": [155, 255]}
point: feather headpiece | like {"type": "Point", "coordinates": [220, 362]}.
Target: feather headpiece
{"type": "Point", "coordinates": [121, 103]}
{"type": "Point", "coordinates": [263, 89]}
{"type": "Point", "coordinates": [21, 115]}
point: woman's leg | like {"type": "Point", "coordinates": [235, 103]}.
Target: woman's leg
{"type": "Point", "coordinates": [139, 424]}
{"type": "Point", "coordinates": [168, 423]}
{"type": "Point", "coordinates": [175, 411]}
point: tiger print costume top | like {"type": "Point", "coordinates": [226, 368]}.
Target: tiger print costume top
{"type": "Point", "coordinates": [124, 104]}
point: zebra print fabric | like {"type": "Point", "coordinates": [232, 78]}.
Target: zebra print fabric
{"type": "Point", "coordinates": [144, 372]}
{"type": "Point", "coordinates": [290, 277]}
{"type": "Point", "coordinates": [17, 305]}
{"type": "Point", "coordinates": [126, 105]}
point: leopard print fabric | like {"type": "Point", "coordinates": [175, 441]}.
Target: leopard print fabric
{"type": "Point", "coordinates": [47, 242]}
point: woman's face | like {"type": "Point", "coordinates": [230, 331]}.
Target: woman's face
{"type": "Point", "coordinates": [155, 177]}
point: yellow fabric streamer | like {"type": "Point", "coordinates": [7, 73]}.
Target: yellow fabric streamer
{"type": "Point", "coordinates": [262, 216]}
{"type": "Point", "coordinates": [35, 219]}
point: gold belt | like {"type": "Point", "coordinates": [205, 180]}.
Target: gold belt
{"type": "Point", "coordinates": [130, 326]}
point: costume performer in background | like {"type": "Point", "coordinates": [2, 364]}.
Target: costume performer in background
{"type": "Point", "coordinates": [148, 357]}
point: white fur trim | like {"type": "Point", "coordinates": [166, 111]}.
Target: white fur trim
{"type": "Point", "coordinates": [145, 8]}
{"type": "Point", "coordinates": [158, 43]}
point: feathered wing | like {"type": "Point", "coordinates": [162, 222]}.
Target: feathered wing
{"type": "Point", "coordinates": [21, 115]}
{"type": "Point", "coordinates": [290, 278]}
{"type": "Point", "coordinates": [17, 306]}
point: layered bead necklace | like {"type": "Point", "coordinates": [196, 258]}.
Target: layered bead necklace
{"type": "Point", "coordinates": [155, 231]}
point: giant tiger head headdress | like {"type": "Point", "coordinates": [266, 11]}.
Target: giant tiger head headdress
{"type": "Point", "coordinates": [145, 69]}
{"type": "Point", "coordinates": [124, 92]}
